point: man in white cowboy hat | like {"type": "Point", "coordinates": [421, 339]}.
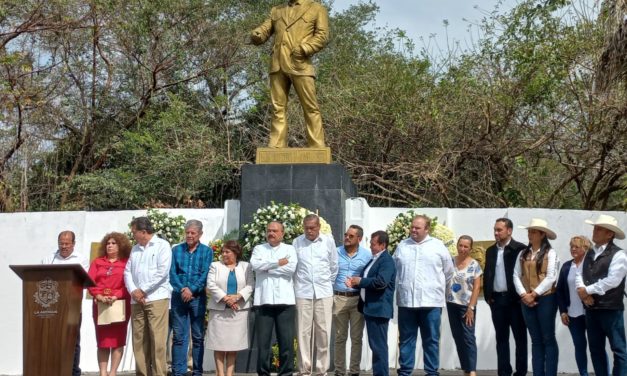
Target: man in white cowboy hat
{"type": "Point", "coordinates": [600, 286]}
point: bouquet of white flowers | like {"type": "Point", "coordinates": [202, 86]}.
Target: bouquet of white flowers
{"type": "Point", "coordinates": [291, 216]}
{"type": "Point", "coordinates": [399, 230]}
{"type": "Point", "coordinates": [166, 227]}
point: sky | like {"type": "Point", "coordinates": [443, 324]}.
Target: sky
{"type": "Point", "coordinates": [425, 18]}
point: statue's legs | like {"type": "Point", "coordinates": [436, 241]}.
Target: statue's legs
{"type": "Point", "coordinates": [279, 90]}
{"type": "Point", "coordinates": [305, 87]}
{"type": "Point", "coordinates": [306, 90]}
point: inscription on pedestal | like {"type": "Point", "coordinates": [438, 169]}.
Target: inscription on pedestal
{"type": "Point", "coordinates": [293, 155]}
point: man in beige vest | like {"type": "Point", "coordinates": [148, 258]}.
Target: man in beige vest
{"type": "Point", "coordinates": [300, 28]}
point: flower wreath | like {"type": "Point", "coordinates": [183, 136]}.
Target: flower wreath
{"type": "Point", "coordinates": [291, 216]}
{"type": "Point", "coordinates": [170, 228]}
{"type": "Point", "coordinates": [400, 227]}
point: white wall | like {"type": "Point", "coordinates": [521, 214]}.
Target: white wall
{"type": "Point", "coordinates": [28, 237]}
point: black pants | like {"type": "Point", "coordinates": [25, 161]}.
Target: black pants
{"type": "Point", "coordinates": [282, 318]}
{"type": "Point", "coordinates": [507, 314]}
{"type": "Point", "coordinates": [76, 370]}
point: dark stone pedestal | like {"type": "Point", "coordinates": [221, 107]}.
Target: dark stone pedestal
{"type": "Point", "coordinates": [321, 187]}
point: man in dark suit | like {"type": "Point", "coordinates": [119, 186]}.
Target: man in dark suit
{"type": "Point", "coordinates": [376, 300]}
{"type": "Point", "coordinates": [502, 298]}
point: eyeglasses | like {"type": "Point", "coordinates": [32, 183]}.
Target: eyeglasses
{"type": "Point", "coordinates": [110, 271]}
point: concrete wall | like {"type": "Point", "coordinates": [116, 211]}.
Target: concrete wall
{"type": "Point", "coordinates": [28, 237]}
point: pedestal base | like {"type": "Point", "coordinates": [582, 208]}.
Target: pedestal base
{"type": "Point", "coordinates": [321, 187]}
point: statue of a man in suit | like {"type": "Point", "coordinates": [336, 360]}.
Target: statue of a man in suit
{"type": "Point", "coordinates": [300, 28]}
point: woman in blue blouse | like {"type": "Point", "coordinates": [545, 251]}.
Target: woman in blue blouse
{"type": "Point", "coordinates": [230, 285]}
{"type": "Point", "coordinates": [461, 302]}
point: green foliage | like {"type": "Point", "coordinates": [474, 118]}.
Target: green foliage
{"type": "Point", "coordinates": [275, 364]}
{"type": "Point", "coordinates": [112, 104]}
{"type": "Point", "coordinates": [167, 158]}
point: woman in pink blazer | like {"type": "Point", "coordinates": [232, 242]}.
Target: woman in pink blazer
{"type": "Point", "coordinates": [229, 286]}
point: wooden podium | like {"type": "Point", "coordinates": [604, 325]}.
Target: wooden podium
{"type": "Point", "coordinates": [51, 308]}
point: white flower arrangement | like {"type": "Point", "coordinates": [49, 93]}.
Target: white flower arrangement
{"type": "Point", "coordinates": [291, 216]}
{"type": "Point", "coordinates": [399, 229]}
{"type": "Point", "coordinates": [166, 227]}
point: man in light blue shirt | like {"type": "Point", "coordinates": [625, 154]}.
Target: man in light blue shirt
{"type": "Point", "coordinates": [423, 267]}
{"type": "Point", "coordinates": [147, 279]}
{"type": "Point", "coordinates": [352, 259]}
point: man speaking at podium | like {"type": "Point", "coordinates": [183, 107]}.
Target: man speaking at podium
{"type": "Point", "coordinates": [67, 255]}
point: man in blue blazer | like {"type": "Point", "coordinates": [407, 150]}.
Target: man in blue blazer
{"type": "Point", "coordinates": [376, 299]}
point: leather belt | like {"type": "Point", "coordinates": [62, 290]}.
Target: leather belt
{"type": "Point", "coordinates": [346, 293]}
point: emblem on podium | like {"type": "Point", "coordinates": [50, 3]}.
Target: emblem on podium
{"type": "Point", "coordinates": [47, 293]}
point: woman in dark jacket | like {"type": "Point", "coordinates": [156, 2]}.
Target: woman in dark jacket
{"type": "Point", "coordinates": [570, 306]}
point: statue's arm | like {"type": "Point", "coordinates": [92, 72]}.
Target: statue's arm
{"type": "Point", "coordinates": [261, 34]}
{"type": "Point", "coordinates": [321, 34]}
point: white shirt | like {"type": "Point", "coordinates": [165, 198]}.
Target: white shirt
{"type": "Point", "coordinates": [500, 280]}
{"type": "Point", "coordinates": [575, 309]}
{"type": "Point", "coordinates": [362, 291]}
{"type": "Point", "coordinates": [148, 269]}
{"type": "Point", "coordinates": [615, 273]}
{"type": "Point", "coordinates": [551, 273]}
{"type": "Point", "coordinates": [74, 258]}
{"type": "Point", "coordinates": [422, 272]}
{"type": "Point", "coordinates": [317, 267]}
{"type": "Point", "coordinates": [273, 284]}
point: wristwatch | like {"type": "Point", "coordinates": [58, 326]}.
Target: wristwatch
{"type": "Point", "coordinates": [472, 308]}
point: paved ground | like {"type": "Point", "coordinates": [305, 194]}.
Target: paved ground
{"type": "Point", "coordinates": [392, 372]}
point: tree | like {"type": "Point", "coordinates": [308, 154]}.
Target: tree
{"type": "Point", "coordinates": [106, 73]}
{"type": "Point", "coordinates": [161, 106]}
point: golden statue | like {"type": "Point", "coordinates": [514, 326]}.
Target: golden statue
{"type": "Point", "coordinates": [300, 28]}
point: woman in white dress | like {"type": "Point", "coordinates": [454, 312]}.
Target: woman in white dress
{"type": "Point", "coordinates": [229, 286]}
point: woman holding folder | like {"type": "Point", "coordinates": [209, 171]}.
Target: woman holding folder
{"type": "Point", "coordinates": [112, 304]}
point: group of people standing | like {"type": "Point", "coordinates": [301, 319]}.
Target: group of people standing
{"type": "Point", "coordinates": [524, 286]}
{"type": "Point", "coordinates": [310, 288]}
